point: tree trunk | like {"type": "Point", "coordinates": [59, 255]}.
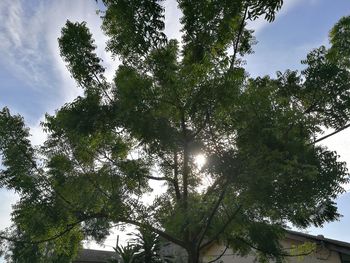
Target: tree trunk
{"type": "Point", "coordinates": [193, 256]}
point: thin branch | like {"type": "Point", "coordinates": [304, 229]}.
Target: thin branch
{"type": "Point", "coordinates": [211, 216]}
{"type": "Point", "coordinates": [159, 178]}
{"type": "Point", "coordinates": [217, 258]}
{"type": "Point", "coordinates": [60, 234]}
{"type": "Point", "coordinates": [104, 91]}
{"type": "Point", "coordinates": [94, 183]}
{"type": "Point", "coordinates": [273, 253]}
{"type": "Point", "coordinates": [200, 128]}
{"type": "Point", "coordinates": [185, 172]}
{"type": "Point", "coordinates": [212, 187]}
{"type": "Point", "coordinates": [100, 215]}
{"type": "Point", "coordinates": [68, 228]}
{"type": "Point", "coordinates": [156, 230]}
{"type": "Point", "coordinates": [310, 108]}
{"type": "Point", "coordinates": [213, 138]}
{"type": "Point", "coordinates": [185, 176]}
{"type": "Point", "coordinates": [41, 175]}
{"type": "Point", "coordinates": [223, 228]}
{"type": "Point", "coordinates": [240, 31]}
{"type": "Point", "coordinates": [176, 174]}
{"type": "Point", "coordinates": [331, 134]}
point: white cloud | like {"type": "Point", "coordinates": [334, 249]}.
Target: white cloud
{"type": "Point", "coordinates": [19, 43]}
{"type": "Point", "coordinates": [13, 24]}
{"type": "Point", "coordinates": [172, 20]}
{"type": "Point", "coordinates": [28, 44]}
{"type": "Point", "coordinates": [38, 136]}
{"type": "Point", "coordinates": [8, 198]}
{"type": "Point", "coordinates": [259, 24]}
{"type": "Point", "coordinates": [339, 143]}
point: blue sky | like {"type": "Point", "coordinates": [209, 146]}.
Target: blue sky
{"type": "Point", "coordinates": [34, 80]}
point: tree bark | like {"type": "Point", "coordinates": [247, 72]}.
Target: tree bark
{"type": "Point", "coordinates": [193, 255]}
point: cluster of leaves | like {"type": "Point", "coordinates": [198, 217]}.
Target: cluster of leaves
{"type": "Point", "coordinates": [166, 104]}
{"type": "Point", "coordinates": [303, 249]}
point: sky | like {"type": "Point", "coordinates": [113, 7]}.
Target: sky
{"type": "Point", "coordinates": [35, 81]}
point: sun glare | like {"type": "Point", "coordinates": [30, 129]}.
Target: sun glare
{"type": "Point", "coordinates": [200, 160]}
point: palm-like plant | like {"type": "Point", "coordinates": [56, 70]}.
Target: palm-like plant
{"type": "Point", "coordinates": [144, 248]}
{"type": "Point", "coordinates": [150, 246]}
{"type": "Point", "coordinates": [126, 254]}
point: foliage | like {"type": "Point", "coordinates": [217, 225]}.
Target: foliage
{"type": "Point", "coordinates": [127, 254]}
{"type": "Point", "coordinates": [303, 249]}
{"type": "Point", "coordinates": [56, 250]}
{"type": "Point", "coordinates": [169, 102]}
{"type": "Point", "coordinates": [145, 247]}
{"type": "Point", "coordinates": [150, 247]}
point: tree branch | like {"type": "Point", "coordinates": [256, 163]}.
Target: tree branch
{"type": "Point", "coordinates": [211, 216]}
{"type": "Point", "coordinates": [222, 229]}
{"type": "Point", "coordinates": [157, 231]}
{"type": "Point", "coordinates": [40, 173]}
{"type": "Point", "coordinates": [159, 178]}
{"type": "Point", "coordinates": [185, 177]}
{"type": "Point", "coordinates": [240, 31]}
{"type": "Point", "coordinates": [60, 234]}
{"type": "Point", "coordinates": [272, 253]}
{"type": "Point", "coordinates": [176, 180]}
{"type": "Point", "coordinates": [331, 134]}
{"type": "Point", "coordinates": [185, 171]}
{"type": "Point", "coordinates": [217, 258]}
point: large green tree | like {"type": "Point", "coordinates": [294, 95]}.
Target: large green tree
{"type": "Point", "coordinates": [168, 103]}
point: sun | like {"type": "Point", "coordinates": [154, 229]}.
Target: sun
{"type": "Point", "coordinates": [200, 160]}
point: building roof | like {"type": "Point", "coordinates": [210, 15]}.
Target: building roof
{"type": "Point", "coordinates": [94, 256]}
{"type": "Point", "coordinates": [320, 238]}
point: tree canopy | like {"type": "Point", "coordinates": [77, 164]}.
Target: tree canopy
{"type": "Point", "coordinates": [169, 102]}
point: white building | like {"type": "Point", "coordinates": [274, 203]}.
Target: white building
{"type": "Point", "coordinates": [322, 250]}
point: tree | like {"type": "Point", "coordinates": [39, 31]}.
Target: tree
{"type": "Point", "coordinates": [167, 104]}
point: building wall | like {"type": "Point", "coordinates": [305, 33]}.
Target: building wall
{"type": "Point", "coordinates": [175, 252]}
{"type": "Point", "coordinates": [321, 255]}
